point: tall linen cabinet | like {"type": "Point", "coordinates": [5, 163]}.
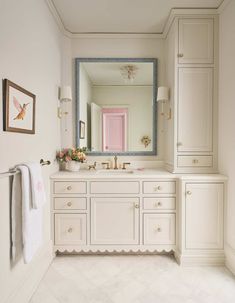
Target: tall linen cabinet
{"type": "Point", "coordinates": [191, 74]}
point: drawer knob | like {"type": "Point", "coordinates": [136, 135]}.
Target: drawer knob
{"type": "Point", "coordinates": [195, 161]}
{"type": "Point", "coordinates": [157, 204]}
{"type": "Point", "coordinates": [70, 230]}
{"type": "Point", "coordinates": [157, 188]}
{"type": "Point", "coordinates": [180, 55]}
{"type": "Point", "coordinates": [69, 187]}
{"type": "Point", "coordinates": [137, 205]}
{"type": "Point", "coordinates": [189, 192]}
{"type": "Point", "coordinates": [159, 229]}
{"type": "Point", "coordinates": [69, 204]}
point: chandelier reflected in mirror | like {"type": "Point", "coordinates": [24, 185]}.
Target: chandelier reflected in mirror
{"type": "Point", "coordinates": [128, 72]}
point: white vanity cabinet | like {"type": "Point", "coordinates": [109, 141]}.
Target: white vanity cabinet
{"type": "Point", "coordinates": [152, 211]}
{"type": "Point", "coordinates": [113, 214]}
{"type": "Point", "coordinates": [201, 221]}
{"type": "Point", "coordinates": [192, 76]}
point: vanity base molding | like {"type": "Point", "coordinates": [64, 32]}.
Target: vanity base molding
{"type": "Point", "coordinates": [208, 258]}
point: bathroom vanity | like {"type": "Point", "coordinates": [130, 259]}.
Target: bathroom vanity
{"type": "Point", "coordinates": [139, 211]}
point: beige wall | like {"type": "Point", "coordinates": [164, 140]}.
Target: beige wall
{"type": "Point", "coordinates": [30, 56]}
{"type": "Point", "coordinates": [227, 112]}
{"type": "Point", "coordinates": [118, 48]}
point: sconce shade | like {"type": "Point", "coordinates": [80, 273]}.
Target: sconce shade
{"type": "Point", "coordinates": [65, 93]}
{"type": "Point", "coordinates": [162, 93]}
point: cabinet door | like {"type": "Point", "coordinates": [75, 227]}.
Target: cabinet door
{"type": "Point", "coordinates": [195, 109]}
{"type": "Point", "coordinates": [195, 41]}
{"type": "Point", "coordinates": [115, 220]}
{"type": "Point", "coordinates": [204, 216]}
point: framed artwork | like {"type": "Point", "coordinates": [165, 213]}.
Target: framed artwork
{"type": "Point", "coordinates": [81, 130]}
{"type": "Point", "coordinates": [18, 109]}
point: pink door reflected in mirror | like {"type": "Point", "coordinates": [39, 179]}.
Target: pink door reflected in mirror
{"type": "Point", "coordinates": [114, 129]}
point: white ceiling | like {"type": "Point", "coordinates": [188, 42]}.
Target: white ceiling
{"type": "Point", "coordinates": [109, 73]}
{"type": "Point", "coordinates": [121, 16]}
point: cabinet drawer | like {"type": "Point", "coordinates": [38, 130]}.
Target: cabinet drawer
{"type": "Point", "coordinates": [70, 229]}
{"type": "Point", "coordinates": [195, 161]}
{"type": "Point", "coordinates": [70, 187]}
{"type": "Point", "coordinates": [159, 229]}
{"type": "Point", "coordinates": [118, 187]}
{"type": "Point", "coordinates": [70, 203]}
{"type": "Point", "coordinates": [159, 187]}
{"type": "Point", "coordinates": [159, 203]}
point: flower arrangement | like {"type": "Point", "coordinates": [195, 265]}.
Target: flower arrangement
{"type": "Point", "coordinates": [71, 154]}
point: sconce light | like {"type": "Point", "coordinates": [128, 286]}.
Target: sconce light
{"type": "Point", "coordinates": [65, 95]}
{"type": "Point", "coordinates": [163, 96]}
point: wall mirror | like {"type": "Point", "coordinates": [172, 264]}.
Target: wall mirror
{"type": "Point", "coordinates": [116, 106]}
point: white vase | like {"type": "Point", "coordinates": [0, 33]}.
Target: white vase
{"type": "Point", "coordinates": [73, 166]}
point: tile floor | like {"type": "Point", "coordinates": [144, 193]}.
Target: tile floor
{"type": "Point", "coordinates": [132, 279]}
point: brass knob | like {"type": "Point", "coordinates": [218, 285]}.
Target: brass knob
{"type": "Point", "coordinates": [69, 204]}
{"type": "Point", "coordinates": [70, 230]}
{"type": "Point", "coordinates": [159, 229]}
{"type": "Point", "coordinates": [157, 204]}
{"type": "Point", "coordinates": [180, 55]}
{"type": "Point", "coordinates": [189, 192]}
{"type": "Point", "coordinates": [137, 205]}
{"type": "Point", "coordinates": [69, 187]}
{"type": "Point", "coordinates": [157, 188]}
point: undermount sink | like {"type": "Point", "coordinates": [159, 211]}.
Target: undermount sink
{"type": "Point", "coordinates": [115, 171]}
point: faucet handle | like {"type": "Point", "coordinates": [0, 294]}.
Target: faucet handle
{"type": "Point", "coordinates": [93, 166]}
{"type": "Point", "coordinates": [107, 164]}
{"type": "Point", "coordinates": [124, 165]}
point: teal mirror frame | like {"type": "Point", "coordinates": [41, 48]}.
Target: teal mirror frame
{"type": "Point", "coordinates": [78, 61]}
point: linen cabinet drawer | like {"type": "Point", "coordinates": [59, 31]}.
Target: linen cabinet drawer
{"type": "Point", "coordinates": [70, 203]}
{"type": "Point", "coordinates": [159, 229]}
{"type": "Point", "coordinates": [115, 187]}
{"type": "Point", "coordinates": [195, 161]}
{"type": "Point", "coordinates": [159, 187]}
{"type": "Point", "coordinates": [70, 229]}
{"type": "Point", "coordinates": [69, 187]}
{"type": "Point", "coordinates": [159, 203]}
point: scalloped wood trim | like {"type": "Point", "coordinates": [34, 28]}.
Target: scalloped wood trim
{"type": "Point", "coordinates": [106, 249]}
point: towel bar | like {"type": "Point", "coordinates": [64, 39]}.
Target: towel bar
{"type": "Point", "coordinates": [15, 171]}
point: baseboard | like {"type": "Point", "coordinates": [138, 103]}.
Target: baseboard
{"type": "Point", "coordinates": [27, 286]}
{"type": "Point", "coordinates": [230, 258]}
{"type": "Point", "coordinates": [200, 259]}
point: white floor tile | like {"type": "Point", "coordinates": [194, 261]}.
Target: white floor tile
{"type": "Point", "coordinates": [132, 279]}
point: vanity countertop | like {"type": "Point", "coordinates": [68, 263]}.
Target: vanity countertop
{"type": "Point", "coordinates": [132, 174]}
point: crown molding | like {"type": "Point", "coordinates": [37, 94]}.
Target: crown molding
{"type": "Point", "coordinates": [175, 12]}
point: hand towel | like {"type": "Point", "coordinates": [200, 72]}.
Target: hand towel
{"type": "Point", "coordinates": [16, 219]}
{"type": "Point", "coordinates": [31, 218]}
{"type": "Point", "coordinates": [38, 195]}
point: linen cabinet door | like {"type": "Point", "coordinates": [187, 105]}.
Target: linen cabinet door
{"type": "Point", "coordinates": [195, 110]}
{"type": "Point", "coordinates": [195, 41]}
{"type": "Point", "coordinates": [204, 216]}
{"type": "Point", "coordinates": [115, 221]}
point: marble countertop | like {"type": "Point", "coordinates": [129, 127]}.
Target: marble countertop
{"type": "Point", "coordinates": [132, 174]}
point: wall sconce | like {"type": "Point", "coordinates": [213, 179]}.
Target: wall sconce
{"type": "Point", "coordinates": [65, 95]}
{"type": "Point", "coordinates": [163, 96]}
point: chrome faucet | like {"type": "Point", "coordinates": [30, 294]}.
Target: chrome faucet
{"type": "Point", "coordinates": [115, 163]}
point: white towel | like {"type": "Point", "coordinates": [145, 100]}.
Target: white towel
{"type": "Point", "coordinates": [16, 219]}
{"type": "Point", "coordinates": [31, 218]}
{"type": "Point", "coordinates": [37, 187]}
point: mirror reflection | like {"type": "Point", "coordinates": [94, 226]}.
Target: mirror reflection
{"type": "Point", "coordinates": [115, 105]}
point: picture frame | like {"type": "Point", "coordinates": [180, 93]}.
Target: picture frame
{"type": "Point", "coordinates": [81, 130]}
{"type": "Point", "coordinates": [18, 108]}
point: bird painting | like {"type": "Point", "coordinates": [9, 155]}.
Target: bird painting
{"type": "Point", "coordinates": [21, 109]}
